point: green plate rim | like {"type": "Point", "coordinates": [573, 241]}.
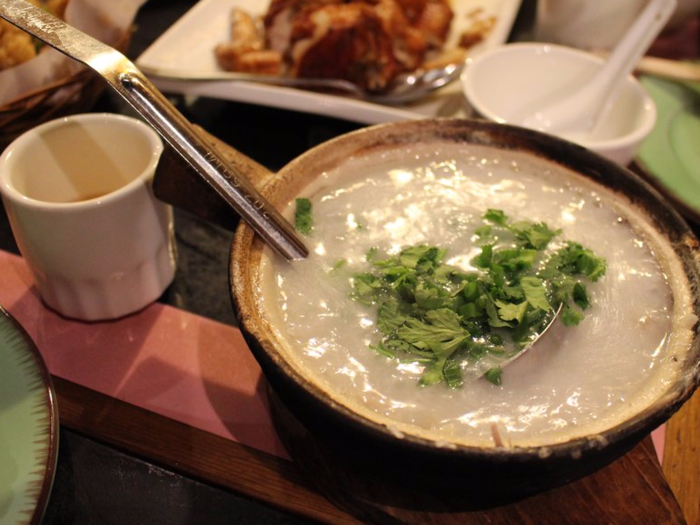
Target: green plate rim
{"type": "Point", "coordinates": [651, 170]}
{"type": "Point", "coordinates": [35, 361]}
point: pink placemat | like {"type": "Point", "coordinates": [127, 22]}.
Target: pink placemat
{"type": "Point", "coordinates": [171, 362]}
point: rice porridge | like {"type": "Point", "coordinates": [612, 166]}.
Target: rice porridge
{"type": "Point", "coordinates": [575, 381]}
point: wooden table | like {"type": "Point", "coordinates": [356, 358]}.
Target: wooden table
{"type": "Point", "coordinates": [634, 489]}
{"type": "Point", "coordinates": [681, 460]}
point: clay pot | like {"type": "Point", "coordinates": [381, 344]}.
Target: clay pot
{"type": "Point", "coordinates": [367, 445]}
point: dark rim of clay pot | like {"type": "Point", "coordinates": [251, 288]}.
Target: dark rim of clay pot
{"type": "Point", "coordinates": [282, 377]}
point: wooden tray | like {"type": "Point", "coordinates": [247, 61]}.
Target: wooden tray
{"type": "Point", "coordinates": [631, 490]}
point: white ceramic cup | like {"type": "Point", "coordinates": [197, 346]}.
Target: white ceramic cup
{"type": "Point", "coordinates": [77, 191]}
{"type": "Point", "coordinates": [586, 24]}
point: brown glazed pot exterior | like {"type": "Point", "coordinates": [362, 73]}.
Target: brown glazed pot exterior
{"type": "Point", "coordinates": [490, 471]}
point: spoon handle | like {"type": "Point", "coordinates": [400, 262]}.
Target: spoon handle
{"type": "Point", "coordinates": [631, 48]}
{"type": "Point", "coordinates": [342, 86]}
{"type": "Point", "coordinates": [581, 114]}
{"type": "Point", "coordinates": [122, 75]}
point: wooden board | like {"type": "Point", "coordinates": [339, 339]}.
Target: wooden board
{"type": "Point", "coordinates": [682, 458]}
{"type": "Point", "coordinates": [631, 490]}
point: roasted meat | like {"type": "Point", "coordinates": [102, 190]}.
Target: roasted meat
{"type": "Point", "coordinates": [345, 41]}
{"type": "Point", "coordinates": [246, 51]}
{"type": "Point", "coordinates": [368, 42]}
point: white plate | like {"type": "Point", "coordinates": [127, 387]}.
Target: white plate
{"type": "Point", "coordinates": [189, 46]}
{"type": "Point", "coordinates": [28, 427]}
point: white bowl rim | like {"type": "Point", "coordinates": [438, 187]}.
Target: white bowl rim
{"type": "Point", "coordinates": [105, 119]}
{"type": "Point", "coordinates": [636, 135]}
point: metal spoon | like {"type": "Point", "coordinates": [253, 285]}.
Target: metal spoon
{"type": "Point", "coordinates": [483, 370]}
{"type": "Point", "coordinates": [406, 87]}
{"type": "Point", "coordinates": [130, 83]}
{"type": "Point", "coordinates": [577, 115]}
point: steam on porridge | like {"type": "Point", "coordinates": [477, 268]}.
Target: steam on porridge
{"type": "Point", "coordinates": [578, 379]}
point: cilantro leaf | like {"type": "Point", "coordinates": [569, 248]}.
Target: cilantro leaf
{"type": "Point", "coordinates": [535, 236]}
{"type": "Point", "coordinates": [303, 220]}
{"type": "Point", "coordinates": [384, 350]}
{"type": "Point", "coordinates": [494, 375]}
{"type": "Point", "coordinates": [391, 315]}
{"type": "Point", "coordinates": [492, 317]}
{"type": "Point", "coordinates": [433, 373]}
{"type": "Point", "coordinates": [580, 296]}
{"type": "Point", "coordinates": [496, 217]}
{"type": "Point", "coordinates": [366, 288]}
{"type": "Point", "coordinates": [452, 373]}
{"type": "Point", "coordinates": [439, 316]}
{"type": "Point", "coordinates": [483, 231]}
{"type": "Point", "coordinates": [483, 260]}
{"type": "Point", "coordinates": [570, 317]}
{"type": "Point", "coordinates": [574, 260]}
{"type": "Point", "coordinates": [441, 332]}
{"type": "Point", "coordinates": [515, 260]}
{"type": "Point", "coordinates": [511, 311]}
{"type": "Point", "coordinates": [430, 297]}
{"type": "Point", "coordinates": [590, 265]}
{"type": "Point", "coordinates": [423, 258]}
{"type": "Point", "coordinates": [535, 293]}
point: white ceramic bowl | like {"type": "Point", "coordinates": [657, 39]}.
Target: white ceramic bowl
{"type": "Point", "coordinates": [503, 82]}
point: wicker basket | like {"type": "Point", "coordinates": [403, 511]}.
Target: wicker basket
{"type": "Point", "coordinates": [75, 94]}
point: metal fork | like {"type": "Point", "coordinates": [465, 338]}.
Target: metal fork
{"type": "Point", "coordinates": [407, 87]}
